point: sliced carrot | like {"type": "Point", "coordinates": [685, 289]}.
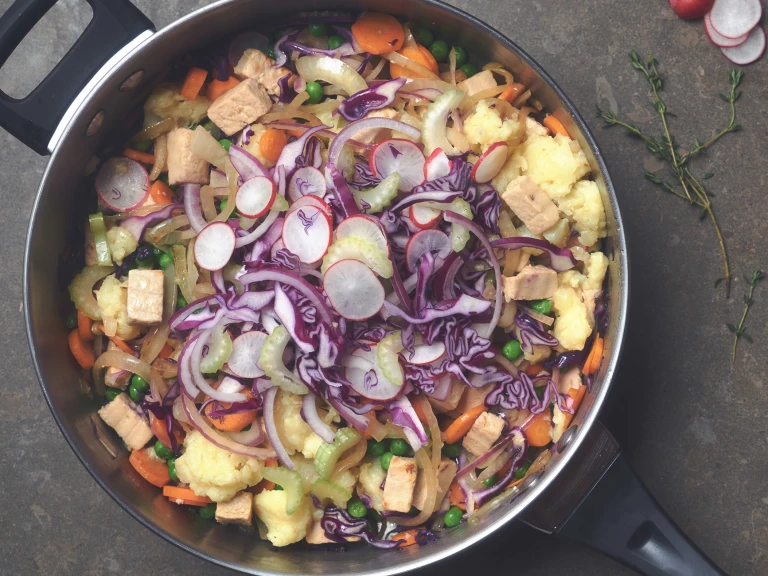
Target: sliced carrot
{"type": "Point", "coordinates": [538, 431]}
{"type": "Point", "coordinates": [418, 54]}
{"type": "Point", "coordinates": [378, 33]}
{"type": "Point", "coordinates": [81, 350]}
{"type": "Point", "coordinates": [84, 325]}
{"type": "Point", "coordinates": [165, 351]}
{"type": "Point", "coordinates": [218, 87]}
{"type": "Point", "coordinates": [161, 432]}
{"type": "Point", "coordinates": [272, 143]}
{"type": "Point", "coordinates": [407, 537]}
{"type": "Point", "coordinates": [193, 83]}
{"type": "Point", "coordinates": [533, 369]}
{"type": "Point", "coordinates": [595, 356]}
{"type": "Point", "coordinates": [459, 427]}
{"type": "Point", "coordinates": [143, 157]}
{"type": "Point", "coordinates": [578, 395]}
{"type": "Point", "coordinates": [511, 93]}
{"type": "Point", "coordinates": [181, 495]}
{"type": "Point", "coordinates": [120, 343]}
{"type": "Point", "coordinates": [556, 126]}
{"type": "Point", "coordinates": [456, 496]}
{"type": "Point", "coordinates": [419, 412]}
{"type": "Point", "coordinates": [230, 422]}
{"type": "Point", "coordinates": [153, 470]}
{"type": "Point", "coordinates": [161, 193]}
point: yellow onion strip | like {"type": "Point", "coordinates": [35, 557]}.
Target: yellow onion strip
{"type": "Point", "coordinates": [300, 98]}
{"type": "Point", "coordinates": [206, 203]}
{"type": "Point", "coordinates": [166, 367]}
{"type": "Point", "coordinates": [434, 428]}
{"type": "Point", "coordinates": [156, 234]}
{"type": "Point", "coordinates": [124, 361]}
{"type": "Point", "coordinates": [205, 146]}
{"type": "Point", "coordinates": [157, 386]}
{"type": "Point", "coordinates": [373, 74]}
{"type": "Point", "coordinates": [411, 65]}
{"type": "Point", "coordinates": [470, 102]}
{"type": "Point", "coordinates": [290, 115]}
{"type": "Point", "coordinates": [156, 339]}
{"type": "Point", "coordinates": [161, 156]}
{"type": "Point", "coordinates": [353, 456]}
{"type": "Point", "coordinates": [452, 63]}
{"type": "Point", "coordinates": [376, 429]}
{"type": "Point", "coordinates": [182, 279]}
{"type": "Point", "coordinates": [497, 68]}
{"type": "Point", "coordinates": [232, 177]}
{"type": "Point", "coordinates": [331, 70]}
{"type": "Point", "coordinates": [328, 106]}
{"type": "Point", "coordinates": [192, 274]}
{"type": "Point", "coordinates": [522, 99]}
{"type": "Point", "coordinates": [157, 129]}
{"type": "Point", "coordinates": [81, 290]}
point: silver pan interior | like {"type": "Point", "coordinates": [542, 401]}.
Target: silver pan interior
{"type": "Point", "coordinates": [64, 199]}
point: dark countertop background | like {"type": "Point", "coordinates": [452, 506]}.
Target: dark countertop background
{"type": "Point", "coordinates": [693, 425]}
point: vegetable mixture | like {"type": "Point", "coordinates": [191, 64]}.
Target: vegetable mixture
{"type": "Point", "coordinates": [342, 285]}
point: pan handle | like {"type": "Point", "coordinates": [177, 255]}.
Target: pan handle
{"type": "Point", "coordinates": [599, 501]}
{"type": "Point", "coordinates": [34, 119]}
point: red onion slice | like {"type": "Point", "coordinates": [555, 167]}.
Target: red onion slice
{"type": "Point", "coordinates": [269, 424]}
{"type": "Point", "coordinates": [312, 418]}
{"type": "Point", "coordinates": [200, 381]}
{"type": "Point", "coordinates": [246, 164]}
{"type": "Point", "coordinates": [258, 232]}
{"type": "Point", "coordinates": [191, 194]}
{"type": "Point", "coordinates": [252, 437]}
{"type": "Point", "coordinates": [287, 159]}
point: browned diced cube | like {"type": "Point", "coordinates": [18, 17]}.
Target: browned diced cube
{"type": "Point", "coordinates": [240, 106]}
{"type": "Point", "coordinates": [484, 432]}
{"type": "Point", "coordinates": [183, 166]}
{"type": "Point", "coordinates": [531, 204]}
{"type": "Point", "coordinates": [400, 484]}
{"type": "Point", "coordinates": [238, 510]}
{"type": "Point", "coordinates": [122, 415]}
{"type": "Point", "coordinates": [477, 83]}
{"type": "Point", "coordinates": [532, 283]}
{"type": "Point", "coordinates": [145, 296]}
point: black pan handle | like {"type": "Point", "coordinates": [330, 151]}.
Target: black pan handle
{"type": "Point", "coordinates": [599, 501]}
{"type": "Point", "coordinates": [34, 119]}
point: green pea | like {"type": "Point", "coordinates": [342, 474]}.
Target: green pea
{"type": "Point", "coordinates": [453, 517]}
{"type": "Point", "coordinates": [180, 301]}
{"type": "Point", "coordinates": [461, 56]}
{"type": "Point", "coordinates": [424, 36]}
{"type": "Point", "coordinates": [469, 69]}
{"type": "Point", "coordinates": [156, 251]}
{"type": "Point", "coordinates": [334, 41]}
{"type": "Point", "coordinates": [111, 393]}
{"type": "Point", "coordinates": [162, 451]}
{"type": "Point", "coordinates": [386, 459]}
{"type": "Point", "coordinates": [490, 278]}
{"type": "Point", "coordinates": [376, 449]}
{"type": "Point", "coordinates": [488, 482]}
{"type": "Point", "coordinates": [521, 472]}
{"type": "Point", "coordinates": [542, 306]}
{"type": "Point", "coordinates": [315, 92]}
{"type": "Point", "coordinates": [512, 350]}
{"type": "Point", "coordinates": [208, 512]}
{"type": "Point", "coordinates": [172, 469]}
{"type": "Point", "coordinates": [269, 52]}
{"type": "Point", "coordinates": [439, 50]}
{"type": "Point", "coordinates": [318, 29]}
{"type": "Point", "coordinates": [143, 146]}
{"type": "Point", "coordinates": [226, 143]}
{"type": "Point", "coordinates": [223, 206]}
{"type": "Point", "coordinates": [165, 260]}
{"type": "Point", "coordinates": [135, 394]}
{"type": "Point", "coordinates": [399, 447]}
{"type": "Point", "coordinates": [451, 451]}
{"type": "Point", "coordinates": [139, 382]}
{"type": "Point", "coordinates": [356, 508]}
{"type": "Point", "coordinates": [71, 320]}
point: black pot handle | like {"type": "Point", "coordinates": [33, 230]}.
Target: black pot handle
{"type": "Point", "coordinates": [599, 501]}
{"type": "Point", "coordinates": [34, 119]}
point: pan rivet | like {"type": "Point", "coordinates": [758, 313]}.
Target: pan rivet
{"type": "Point", "coordinates": [566, 438]}
{"type": "Point", "coordinates": [132, 81]}
{"type": "Point", "coordinates": [531, 481]}
{"type": "Point", "coordinates": [96, 123]}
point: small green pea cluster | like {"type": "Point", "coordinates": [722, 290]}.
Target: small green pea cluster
{"type": "Point", "coordinates": [441, 50]}
{"type": "Point", "coordinates": [386, 449]}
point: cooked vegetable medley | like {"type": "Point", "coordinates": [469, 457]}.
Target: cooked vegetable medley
{"type": "Point", "coordinates": [341, 284]}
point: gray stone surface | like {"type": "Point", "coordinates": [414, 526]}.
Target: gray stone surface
{"type": "Point", "coordinates": [692, 423]}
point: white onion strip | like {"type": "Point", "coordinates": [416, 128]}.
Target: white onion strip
{"type": "Point", "coordinates": [312, 418]}
{"type": "Point", "coordinates": [260, 230]}
{"type": "Point", "coordinates": [197, 376]}
{"type": "Point", "coordinates": [269, 424]}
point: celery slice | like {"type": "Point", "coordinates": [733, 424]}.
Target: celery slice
{"type": "Point", "coordinates": [271, 361]}
{"type": "Point", "coordinates": [324, 488]}
{"type": "Point", "coordinates": [290, 481]}
{"type": "Point", "coordinates": [328, 454]}
{"type": "Point", "coordinates": [99, 231]}
{"type": "Point", "coordinates": [354, 247]}
{"type": "Point", "coordinates": [380, 197]}
{"type": "Point", "coordinates": [218, 352]}
{"type": "Point", "coordinates": [387, 357]}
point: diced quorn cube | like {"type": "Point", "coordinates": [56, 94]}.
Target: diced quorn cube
{"type": "Point", "coordinates": [183, 166]}
{"type": "Point", "coordinates": [484, 432]}
{"type": "Point", "coordinates": [445, 474]}
{"type": "Point", "coordinates": [243, 104]}
{"type": "Point", "coordinates": [122, 415]}
{"type": "Point", "coordinates": [477, 83]}
{"type": "Point", "coordinates": [145, 296]}
{"type": "Point", "coordinates": [531, 204]}
{"type": "Point", "coordinates": [255, 64]}
{"type": "Point", "coordinates": [116, 377]}
{"type": "Point", "coordinates": [238, 510]}
{"type": "Point", "coordinates": [451, 400]}
{"type": "Point", "coordinates": [532, 283]}
{"type": "Point", "coordinates": [400, 484]}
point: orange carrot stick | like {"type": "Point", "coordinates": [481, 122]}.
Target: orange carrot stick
{"type": "Point", "coordinates": [578, 395]}
{"type": "Point", "coordinates": [459, 427]}
{"type": "Point", "coordinates": [84, 325]}
{"type": "Point", "coordinates": [595, 356]}
{"type": "Point", "coordinates": [556, 126]}
{"type": "Point", "coordinates": [193, 83]}
{"type": "Point", "coordinates": [143, 157]}
{"type": "Point", "coordinates": [511, 93]}
{"type": "Point", "coordinates": [407, 537]}
{"type": "Point", "coordinates": [161, 193]}
{"type": "Point", "coordinates": [120, 343]}
{"type": "Point", "coordinates": [538, 431]}
{"type": "Point", "coordinates": [181, 495]}
{"type": "Point", "coordinates": [216, 88]}
{"type": "Point", "coordinates": [165, 351]}
{"type": "Point", "coordinates": [378, 33]}
{"type": "Point", "coordinates": [82, 352]}
{"type": "Point", "coordinates": [456, 496]}
{"type": "Point", "coordinates": [153, 470]}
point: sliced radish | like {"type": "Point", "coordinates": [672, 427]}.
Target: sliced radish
{"type": "Point", "coordinates": [312, 200]}
{"type": "Point", "coordinates": [734, 18]}
{"type": "Point", "coordinates": [423, 216]}
{"type": "Point", "coordinates": [255, 197]}
{"type": "Point", "coordinates": [307, 233]}
{"type": "Point", "coordinates": [364, 227]}
{"type": "Point", "coordinates": [749, 51]}
{"type": "Point", "coordinates": [426, 353]}
{"type": "Point", "coordinates": [401, 156]}
{"type": "Point", "coordinates": [246, 349]}
{"type": "Point", "coordinates": [122, 184]}
{"type": "Point", "coordinates": [214, 246]}
{"type": "Point", "coordinates": [437, 165]}
{"type": "Point", "coordinates": [305, 181]}
{"type": "Point", "coordinates": [691, 9]}
{"type": "Point", "coordinates": [366, 377]}
{"type": "Point", "coordinates": [718, 39]}
{"type": "Point", "coordinates": [423, 242]}
{"type": "Point", "coordinates": [489, 164]}
{"type": "Point", "coordinates": [278, 245]}
{"type": "Point", "coordinates": [353, 289]}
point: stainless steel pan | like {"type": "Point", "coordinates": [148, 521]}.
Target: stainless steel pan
{"type": "Point", "coordinates": [587, 491]}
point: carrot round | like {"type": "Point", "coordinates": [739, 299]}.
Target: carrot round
{"type": "Point", "coordinates": [556, 126]}
{"type": "Point", "coordinates": [181, 495]}
{"type": "Point", "coordinates": [407, 537]}
{"type": "Point", "coordinates": [161, 193]}
{"type": "Point", "coordinates": [418, 54]}
{"type": "Point", "coordinates": [193, 83]}
{"type": "Point", "coordinates": [538, 431]}
{"type": "Point", "coordinates": [511, 93]}
{"type": "Point", "coordinates": [161, 432]}
{"type": "Point", "coordinates": [230, 422]}
{"type": "Point", "coordinates": [218, 87]}
{"type": "Point", "coordinates": [378, 33]}
{"type": "Point", "coordinates": [143, 157]}
{"type": "Point", "coordinates": [595, 356]}
{"type": "Point", "coordinates": [272, 143]}
{"type": "Point", "coordinates": [81, 350]}
{"type": "Point", "coordinates": [459, 427]}
{"type": "Point", "coordinates": [153, 470]}
{"type": "Point", "coordinates": [84, 325]}
{"type": "Point", "coordinates": [456, 496]}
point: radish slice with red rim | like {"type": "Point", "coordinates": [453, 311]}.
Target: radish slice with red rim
{"type": "Point", "coordinates": [122, 184]}
{"type": "Point", "coordinates": [307, 233]}
{"type": "Point", "coordinates": [214, 246]}
{"type": "Point", "coordinates": [489, 164]}
{"type": "Point", "coordinates": [734, 18]}
{"type": "Point", "coordinates": [278, 245]}
{"type": "Point", "coordinates": [305, 181]}
{"type": "Point", "coordinates": [437, 165]}
{"type": "Point", "coordinates": [369, 382]}
{"type": "Point", "coordinates": [718, 39]}
{"type": "Point", "coordinates": [425, 353]}
{"type": "Point", "coordinates": [423, 216]}
{"type": "Point", "coordinates": [749, 51]}
{"type": "Point", "coordinates": [364, 227]}
{"type": "Point", "coordinates": [423, 242]}
{"type": "Point", "coordinates": [401, 156]}
{"type": "Point", "coordinates": [353, 289]}
{"type": "Point", "coordinates": [312, 200]}
{"type": "Point", "coordinates": [246, 348]}
{"type": "Point", "coordinates": [255, 197]}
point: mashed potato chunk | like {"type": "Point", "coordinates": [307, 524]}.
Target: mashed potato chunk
{"type": "Point", "coordinates": [555, 164]}
{"type": "Point", "coordinates": [485, 127]}
{"type": "Point", "coordinates": [121, 243]}
{"type": "Point", "coordinates": [166, 101]}
{"type": "Point", "coordinates": [584, 207]}
{"type": "Point", "coordinates": [112, 298]}
{"type": "Point", "coordinates": [297, 435]}
{"type": "Point", "coordinates": [372, 475]}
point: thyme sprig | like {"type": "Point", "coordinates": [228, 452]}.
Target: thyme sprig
{"type": "Point", "coordinates": [741, 331]}
{"type": "Point", "coordinates": [687, 187]}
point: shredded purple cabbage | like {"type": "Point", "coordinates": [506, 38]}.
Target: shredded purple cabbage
{"type": "Point", "coordinates": [338, 525]}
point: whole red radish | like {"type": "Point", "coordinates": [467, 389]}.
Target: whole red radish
{"type": "Point", "coordinates": [691, 9]}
